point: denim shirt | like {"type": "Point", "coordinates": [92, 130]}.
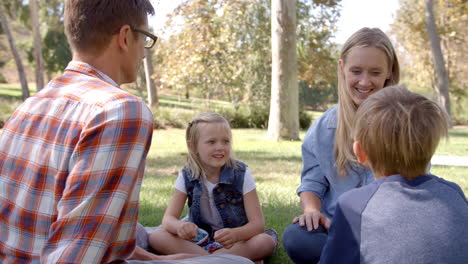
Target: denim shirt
{"type": "Point", "coordinates": [319, 173]}
{"type": "Point", "coordinates": [228, 197]}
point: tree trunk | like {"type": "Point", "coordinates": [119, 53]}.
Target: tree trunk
{"type": "Point", "coordinates": [150, 87]}
{"type": "Point", "coordinates": [14, 51]}
{"type": "Point", "coordinates": [442, 75]}
{"type": "Point", "coordinates": [284, 106]}
{"type": "Point", "coordinates": [39, 61]}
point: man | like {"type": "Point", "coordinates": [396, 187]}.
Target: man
{"type": "Point", "coordinates": [72, 157]}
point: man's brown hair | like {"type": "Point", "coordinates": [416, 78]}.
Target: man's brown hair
{"type": "Point", "coordinates": [90, 24]}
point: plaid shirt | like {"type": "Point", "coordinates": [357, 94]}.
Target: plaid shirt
{"type": "Point", "coordinates": [72, 159]}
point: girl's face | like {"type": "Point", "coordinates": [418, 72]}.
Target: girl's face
{"type": "Point", "coordinates": [214, 146]}
{"type": "Point", "coordinates": [365, 71]}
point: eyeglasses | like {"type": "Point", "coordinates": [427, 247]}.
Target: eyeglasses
{"type": "Point", "coordinates": [150, 39]}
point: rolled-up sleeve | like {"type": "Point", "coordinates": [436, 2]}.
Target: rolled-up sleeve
{"type": "Point", "coordinates": [312, 178]}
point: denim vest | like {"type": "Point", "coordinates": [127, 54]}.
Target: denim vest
{"type": "Point", "coordinates": [227, 194]}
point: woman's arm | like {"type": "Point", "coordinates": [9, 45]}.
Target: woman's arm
{"type": "Point", "coordinates": [256, 225]}
{"type": "Point", "coordinates": [171, 221]}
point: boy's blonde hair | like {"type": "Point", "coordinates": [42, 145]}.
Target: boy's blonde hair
{"type": "Point", "coordinates": [399, 131]}
{"type": "Point", "coordinates": [365, 37]}
{"type": "Point", "coordinates": [192, 135]}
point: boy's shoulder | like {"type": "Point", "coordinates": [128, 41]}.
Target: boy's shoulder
{"type": "Point", "coordinates": [357, 199]}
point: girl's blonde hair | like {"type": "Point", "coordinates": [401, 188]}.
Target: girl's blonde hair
{"type": "Point", "coordinates": [365, 37]}
{"type": "Point", "coordinates": [399, 131]}
{"type": "Point", "coordinates": [192, 135]}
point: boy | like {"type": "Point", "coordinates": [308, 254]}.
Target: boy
{"type": "Point", "coordinates": [407, 215]}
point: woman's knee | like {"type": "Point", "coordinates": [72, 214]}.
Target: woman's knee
{"type": "Point", "coordinates": [304, 246]}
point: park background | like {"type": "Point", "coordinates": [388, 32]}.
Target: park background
{"type": "Point", "coordinates": [216, 55]}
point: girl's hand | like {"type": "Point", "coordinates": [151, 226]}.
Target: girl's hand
{"type": "Point", "coordinates": [226, 237]}
{"type": "Point", "coordinates": [187, 230]}
{"type": "Point", "coordinates": [312, 220]}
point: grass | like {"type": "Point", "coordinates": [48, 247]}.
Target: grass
{"type": "Point", "coordinates": [276, 167]}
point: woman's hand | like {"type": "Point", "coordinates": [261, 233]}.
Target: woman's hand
{"type": "Point", "coordinates": [312, 220]}
{"type": "Point", "coordinates": [187, 230]}
{"type": "Point", "coordinates": [226, 237]}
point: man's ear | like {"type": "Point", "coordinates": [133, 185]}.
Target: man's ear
{"type": "Point", "coordinates": [123, 37]}
{"type": "Point", "coordinates": [359, 152]}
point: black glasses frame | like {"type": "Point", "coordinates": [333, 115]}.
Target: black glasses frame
{"type": "Point", "coordinates": [146, 33]}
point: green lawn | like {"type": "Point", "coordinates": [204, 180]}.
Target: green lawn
{"type": "Point", "coordinates": [276, 167]}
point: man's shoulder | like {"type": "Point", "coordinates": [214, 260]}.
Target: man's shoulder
{"type": "Point", "coordinates": [87, 89]}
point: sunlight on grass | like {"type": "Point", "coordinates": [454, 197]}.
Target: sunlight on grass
{"type": "Point", "coordinates": [276, 167]}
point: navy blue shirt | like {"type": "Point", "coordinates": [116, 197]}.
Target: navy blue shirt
{"type": "Point", "coordinates": [395, 220]}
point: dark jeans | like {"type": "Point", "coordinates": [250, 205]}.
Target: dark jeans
{"type": "Point", "coordinates": [302, 246]}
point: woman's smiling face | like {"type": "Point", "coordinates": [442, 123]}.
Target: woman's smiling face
{"type": "Point", "coordinates": [365, 70]}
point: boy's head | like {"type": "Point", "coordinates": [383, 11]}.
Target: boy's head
{"type": "Point", "coordinates": [397, 131]}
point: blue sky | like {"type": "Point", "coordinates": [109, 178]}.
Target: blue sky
{"type": "Point", "coordinates": [355, 14]}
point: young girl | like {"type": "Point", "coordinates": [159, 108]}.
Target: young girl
{"type": "Point", "coordinates": [222, 199]}
{"type": "Point", "coordinates": [367, 64]}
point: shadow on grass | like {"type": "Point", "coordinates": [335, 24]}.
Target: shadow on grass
{"type": "Point", "coordinates": [278, 216]}
{"type": "Point", "coordinates": [459, 133]}
{"type": "Point", "coordinates": [264, 156]}
{"type": "Point", "coordinates": [10, 98]}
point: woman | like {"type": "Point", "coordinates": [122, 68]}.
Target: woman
{"type": "Point", "coordinates": [367, 64]}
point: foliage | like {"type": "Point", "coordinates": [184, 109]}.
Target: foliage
{"type": "Point", "coordinates": [55, 50]}
{"type": "Point", "coordinates": [222, 49]}
{"type": "Point", "coordinates": [2, 78]}
{"type": "Point", "coordinates": [317, 55]}
{"type": "Point", "coordinates": [409, 29]}
{"type": "Point", "coordinates": [317, 96]}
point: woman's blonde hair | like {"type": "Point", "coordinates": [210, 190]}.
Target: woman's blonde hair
{"type": "Point", "coordinates": [399, 131]}
{"type": "Point", "coordinates": [192, 135]}
{"type": "Point", "coordinates": [365, 37]}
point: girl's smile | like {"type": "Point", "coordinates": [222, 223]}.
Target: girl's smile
{"type": "Point", "coordinates": [213, 147]}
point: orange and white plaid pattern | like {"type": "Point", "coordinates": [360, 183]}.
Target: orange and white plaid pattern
{"type": "Point", "coordinates": [72, 158]}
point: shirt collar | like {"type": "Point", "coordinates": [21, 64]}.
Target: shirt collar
{"type": "Point", "coordinates": [85, 68]}
{"type": "Point", "coordinates": [414, 182]}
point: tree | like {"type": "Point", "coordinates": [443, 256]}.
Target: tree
{"type": "Point", "coordinates": [152, 92]}
{"type": "Point", "coordinates": [55, 48]}
{"type": "Point", "coordinates": [38, 59]}
{"type": "Point", "coordinates": [442, 75]}
{"type": "Point", "coordinates": [284, 112]}
{"type": "Point", "coordinates": [418, 68]}
{"type": "Point", "coordinates": [14, 51]}
{"type": "Point", "coordinates": [221, 49]}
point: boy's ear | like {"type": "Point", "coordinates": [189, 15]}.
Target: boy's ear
{"type": "Point", "coordinates": [359, 152]}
